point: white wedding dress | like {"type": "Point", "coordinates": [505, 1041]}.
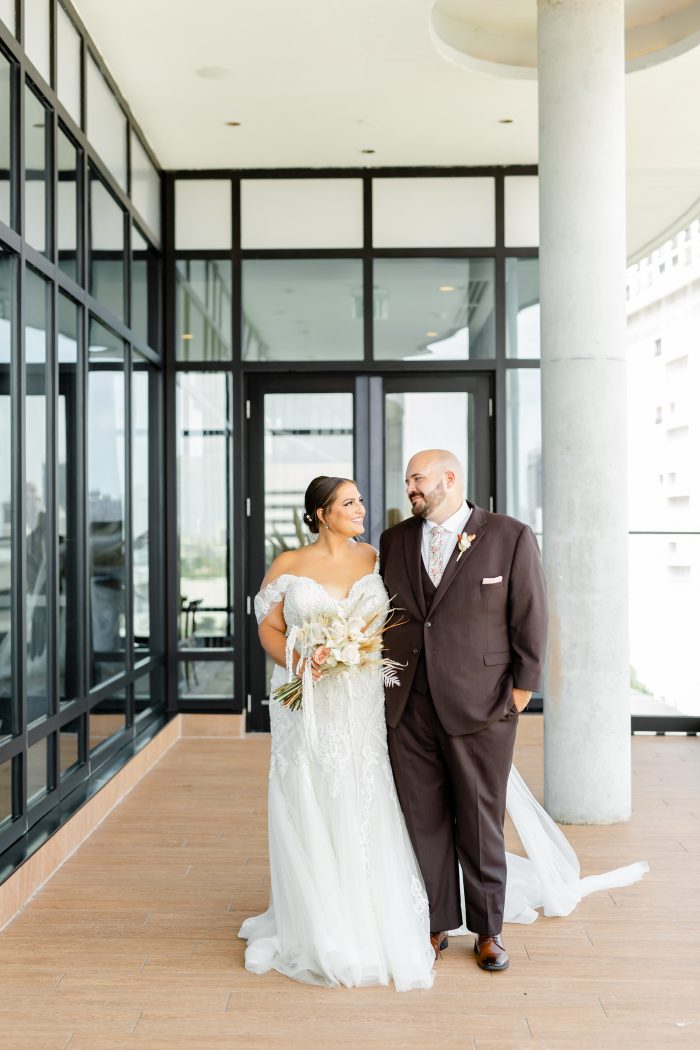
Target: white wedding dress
{"type": "Point", "coordinates": [347, 902]}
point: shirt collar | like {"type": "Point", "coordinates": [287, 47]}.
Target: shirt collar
{"type": "Point", "coordinates": [455, 522]}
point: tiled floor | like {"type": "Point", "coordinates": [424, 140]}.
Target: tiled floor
{"type": "Point", "coordinates": [133, 942]}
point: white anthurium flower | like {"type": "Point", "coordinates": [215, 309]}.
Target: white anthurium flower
{"type": "Point", "coordinates": [355, 625]}
{"type": "Point", "coordinates": [338, 632]}
{"type": "Point", "coordinates": [316, 634]}
{"type": "Point", "coordinates": [350, 653]}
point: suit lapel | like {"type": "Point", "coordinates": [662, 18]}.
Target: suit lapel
{"type": "Point", "coordinates": [476, 525]}
{"type": "Point", "coordinates": [412, 540]}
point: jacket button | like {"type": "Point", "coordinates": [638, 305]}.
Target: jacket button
{"type": "Point", "coordinates": [428, 623]}
{"type": "Point", "coordinates": [415, 652]}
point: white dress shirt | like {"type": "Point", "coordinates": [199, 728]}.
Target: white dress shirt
{"type": "Point", "coordinates": [455, 524]}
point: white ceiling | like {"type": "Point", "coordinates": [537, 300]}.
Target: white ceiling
{"type": "Point", "coordinates": [315, 82]}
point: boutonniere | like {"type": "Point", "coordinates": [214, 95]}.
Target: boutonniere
{"type": "Point", "coordinates": [464, 542]}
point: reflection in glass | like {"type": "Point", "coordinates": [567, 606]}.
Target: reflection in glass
{"type": "Point", "coordinates": [68, 65]}
{"type": "Point", "coordinates": [37, 35]}
{"type": "Point", "coordinates": [36, 499]}
{"type": "Point", "coordinates": [35, 139]}
{"type": "Point", "coordinates": [5, 793]}
{"type": "Point", "coordinates": [524, 446]}
{"type": "Point", "coordinates": [7, 299]}
{"type": "Point", "coordinates": [664, 576]}
{"type": "Point", "coordinates": [434, 309]}
{"type": "Point", "coordinates": [206, 678]}
{"type": "Point", "coordinates": [305, 435]}
{"type": "Point", "coordinates": [523, 308]}
{"type": "Point", "coordinates": [106, 248]}
{"type": "Point", "coordinates": [106, 718]}
{"type": "Point", "coordinates": [106, 123]}
{"type": "Point", "coordinates": [5, 143]}
{"type": "Point", "coordinates": [203, 310]}
{"type": "Point", "coordinates": [106, 498]}
{"type": "Point", "coordinates": [37, 779]}
{"type": "Point", "coordinates": [145, 289]}
{"type": "Point", "coordinates": [413, 421]}
{"type": "Point", "coordinates": [70, 740]}
{"type": "Point", "coordinates": [302, 310]}
{"type": "Point", "coordinates": [67, 210]}
{"type": "Point", "coordinates": [204, 508]}
{"type": "Point", "coordinates": [140, 480]}
{"type": "Point", "coordinates": [68, 501]}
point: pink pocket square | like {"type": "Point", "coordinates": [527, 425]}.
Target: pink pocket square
{"type": "Point", "coordinates": [492, 579]}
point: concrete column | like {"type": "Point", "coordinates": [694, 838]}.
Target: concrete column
{"type": "Point", "coordinates": [584, 428]}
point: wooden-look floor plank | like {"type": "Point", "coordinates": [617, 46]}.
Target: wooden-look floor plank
{"type": "Point", "coordinates": [133, 942]}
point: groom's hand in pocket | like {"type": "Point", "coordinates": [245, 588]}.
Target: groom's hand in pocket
{"type": "Point", "coordinates": [521, 698]}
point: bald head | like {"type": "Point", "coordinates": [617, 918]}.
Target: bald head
{"type": "Point", "coordinates": [435, 484]}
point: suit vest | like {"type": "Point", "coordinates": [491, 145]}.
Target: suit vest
{"type": "Point", "coordinates": [420, 679]}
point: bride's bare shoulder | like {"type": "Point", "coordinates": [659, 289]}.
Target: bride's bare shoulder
{"type": "Point", "coordinates": [369, 554]}
{"type": "Point", "coordinates": [284, 563]}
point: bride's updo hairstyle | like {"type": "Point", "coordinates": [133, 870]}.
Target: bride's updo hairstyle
{"type": "Point", "coordinates": [319, 496]}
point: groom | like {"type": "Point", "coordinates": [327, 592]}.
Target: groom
{"type": "Point", "coordinates": [471, 591]}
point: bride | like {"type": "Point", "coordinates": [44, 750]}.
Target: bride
{"type": "Point", "coordinates": [348, 903]}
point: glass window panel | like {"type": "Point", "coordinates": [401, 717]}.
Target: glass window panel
{"type": "Point", "coordinates": [106, 248]}
{"type": "Point", "coordinates": [35, 170]}
{"type": "Point", "coordinates": [434, 309]}
{"type": "Point", "coordinates": [434, 213]}
{"type": "Point", "coordinates": [106, 123]}
{"type": "Point", "coordinates": [664, 576]}
{"type": "Point", "coordinates": [524, 446]}
{"type": "Point", "coordinates": [145, 186]}
{"type": "Point", "coordinates": [148, 694]}
{"type": "Point", "coordinates": [7, 14]}
{"type": "Point", "coordinates": [37, 471]}
{"type": "Point", "coordinates": [37, 772]}
{"type": "Point", "coordinates": [145, 289]}
{"type": "Point", "coordinates": [200, 679]}
{"type": "Point", "coordinates": [5, 793]}
{"type": "Point", "coordinates": [70, 740]}
{"type": "Point", "coordinates": [663, 394]}
{"type": "Point", "coordinates": [107, 719]}
{"type": "Point", "coordinates": [306, 434]}
{"type": "Point", "coordinates": [67, 210]}
{"type": "Point", "coordinates": [68, 45]}
{"type": "Point", "coordinates": [202, 214]}
{"type": "Point", "coordinates": [106, 492]}
{"type": "Point", "coordinates": [69, 655]}
{"type": "Point", "coordinates": [302, 310]}
{"type": "Point", "coordinates": [204, 509]}
{"type": "Point", "coordinates": [7, 303]}
{"type": "Point", "coordinates": [301, 213]}
{"type": "Point", "coordinates": [429, 419]}
{"type": "Point", "coordinates": [6, 215]}
{"type": "Point", "coordinates": [523, 307]}
{"type": "Point", "coordinates": [522, 211]}
{"type": "Point", "coordinates": [141, 489]}
{"type": "Point", "coordinates": [37, 35]}
{"type": "Point", "coordinates": [203, 310]}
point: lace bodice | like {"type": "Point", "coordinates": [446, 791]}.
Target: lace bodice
{"type": "Point", "coordinates": [304, 598]}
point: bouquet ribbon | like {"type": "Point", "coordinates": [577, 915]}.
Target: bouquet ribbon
{"type": "Point", "coordinates": [307, 687]}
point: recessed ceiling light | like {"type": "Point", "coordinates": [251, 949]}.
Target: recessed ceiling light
{"type": "Point", "coordinates": [368, 151]}
{"type": "Point", "coordinates": [233, 123]}
{"type": "Point", "coordinates": [431, 335]}
{"type": "Point", "coordinates": [187, 335]}
{"type": "Point", "coordinates": [447, 288]}
{"type": "Point", "coordinates": [506, 120]}
{"type": "Point", "coordinates": [214, 72]}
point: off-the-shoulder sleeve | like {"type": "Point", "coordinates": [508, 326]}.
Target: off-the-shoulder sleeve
{"type": "Point", "coordinates": [270, 596]}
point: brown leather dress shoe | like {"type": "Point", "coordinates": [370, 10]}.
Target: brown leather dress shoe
{"type": "Point", "coordinates": [490, 953]}
{"type": "Point", "coordinates": [438, 942]}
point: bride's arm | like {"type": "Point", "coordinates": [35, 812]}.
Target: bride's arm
{"type": "Point", "coordinates": [272, 630]}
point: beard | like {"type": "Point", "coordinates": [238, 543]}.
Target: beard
{"type": "Point", "coordinates": [426, 503]}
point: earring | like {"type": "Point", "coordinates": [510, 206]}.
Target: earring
{"type": "Point", "coordinates": [326, 526]}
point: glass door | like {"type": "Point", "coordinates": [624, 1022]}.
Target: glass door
{"type": "Point", "coordinates": [362, 427]}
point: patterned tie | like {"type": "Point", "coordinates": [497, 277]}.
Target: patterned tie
{"type": "Point", "coordinates": [435, 565]}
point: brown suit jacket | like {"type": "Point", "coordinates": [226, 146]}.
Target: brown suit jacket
{"type": "Point", "coordinates": [480, 640]}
